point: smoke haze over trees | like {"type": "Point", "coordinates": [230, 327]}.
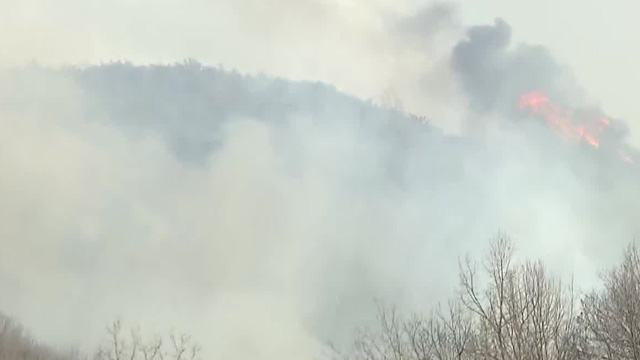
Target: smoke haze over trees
{"type": "Point", "coordinates": [509, 309]}
{"type": "Point", "coordinates": [264, 215]}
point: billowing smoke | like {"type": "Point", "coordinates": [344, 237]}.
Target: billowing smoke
{"type": "Point", "coordinates": [264, 215]}
{"type": "Point", "coordinates": [493, 74]}
{"type": "Point", "coordinates": [496, 76]}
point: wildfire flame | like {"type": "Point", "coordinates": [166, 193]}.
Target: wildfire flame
{"type": "Point", "coordinates": [563, 121]}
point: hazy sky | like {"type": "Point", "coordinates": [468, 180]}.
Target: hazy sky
{"type": "Point", "coordinates": [321, 39]}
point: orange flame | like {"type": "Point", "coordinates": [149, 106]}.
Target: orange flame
{"type": "Point", "coordinates": [562, 120]}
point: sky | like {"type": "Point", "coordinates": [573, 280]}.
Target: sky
{"type": "Point", "coordinates": [101, 212]}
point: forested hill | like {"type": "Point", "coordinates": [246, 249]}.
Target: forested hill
{"type": "Point", "coordinates": [188, 103]}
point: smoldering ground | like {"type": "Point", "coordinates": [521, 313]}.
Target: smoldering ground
{"type": "Point", "coordinates": [265, 216]}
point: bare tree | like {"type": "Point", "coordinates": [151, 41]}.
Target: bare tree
{"type": "Point", "coordinates": [17, 344]}
{"type": "Point", "coordinates": [133, 347]}
{"type": "Point", "coordinates": [514, 312]}
{"type": "Point", "coordinates": [522, 312]}
{"type": "Point", "coordinates": [612, 316]}
{"type": "Point", "coordinates": [442, 335]}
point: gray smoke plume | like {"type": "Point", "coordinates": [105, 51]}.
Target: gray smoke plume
{"type": "Point", "coordinates": [493, 73]}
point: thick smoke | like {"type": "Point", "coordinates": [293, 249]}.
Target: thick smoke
{"type": "Point", "coordinates": [265, 216]}
{"type": "Point", "coordinates": [493, 73]}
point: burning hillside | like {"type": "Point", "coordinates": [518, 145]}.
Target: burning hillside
{"type": "Point", "coordinates": [571, 124]}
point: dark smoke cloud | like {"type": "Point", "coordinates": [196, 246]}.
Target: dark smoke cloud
{"type": "Point", "coordinates": [493, 73]}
